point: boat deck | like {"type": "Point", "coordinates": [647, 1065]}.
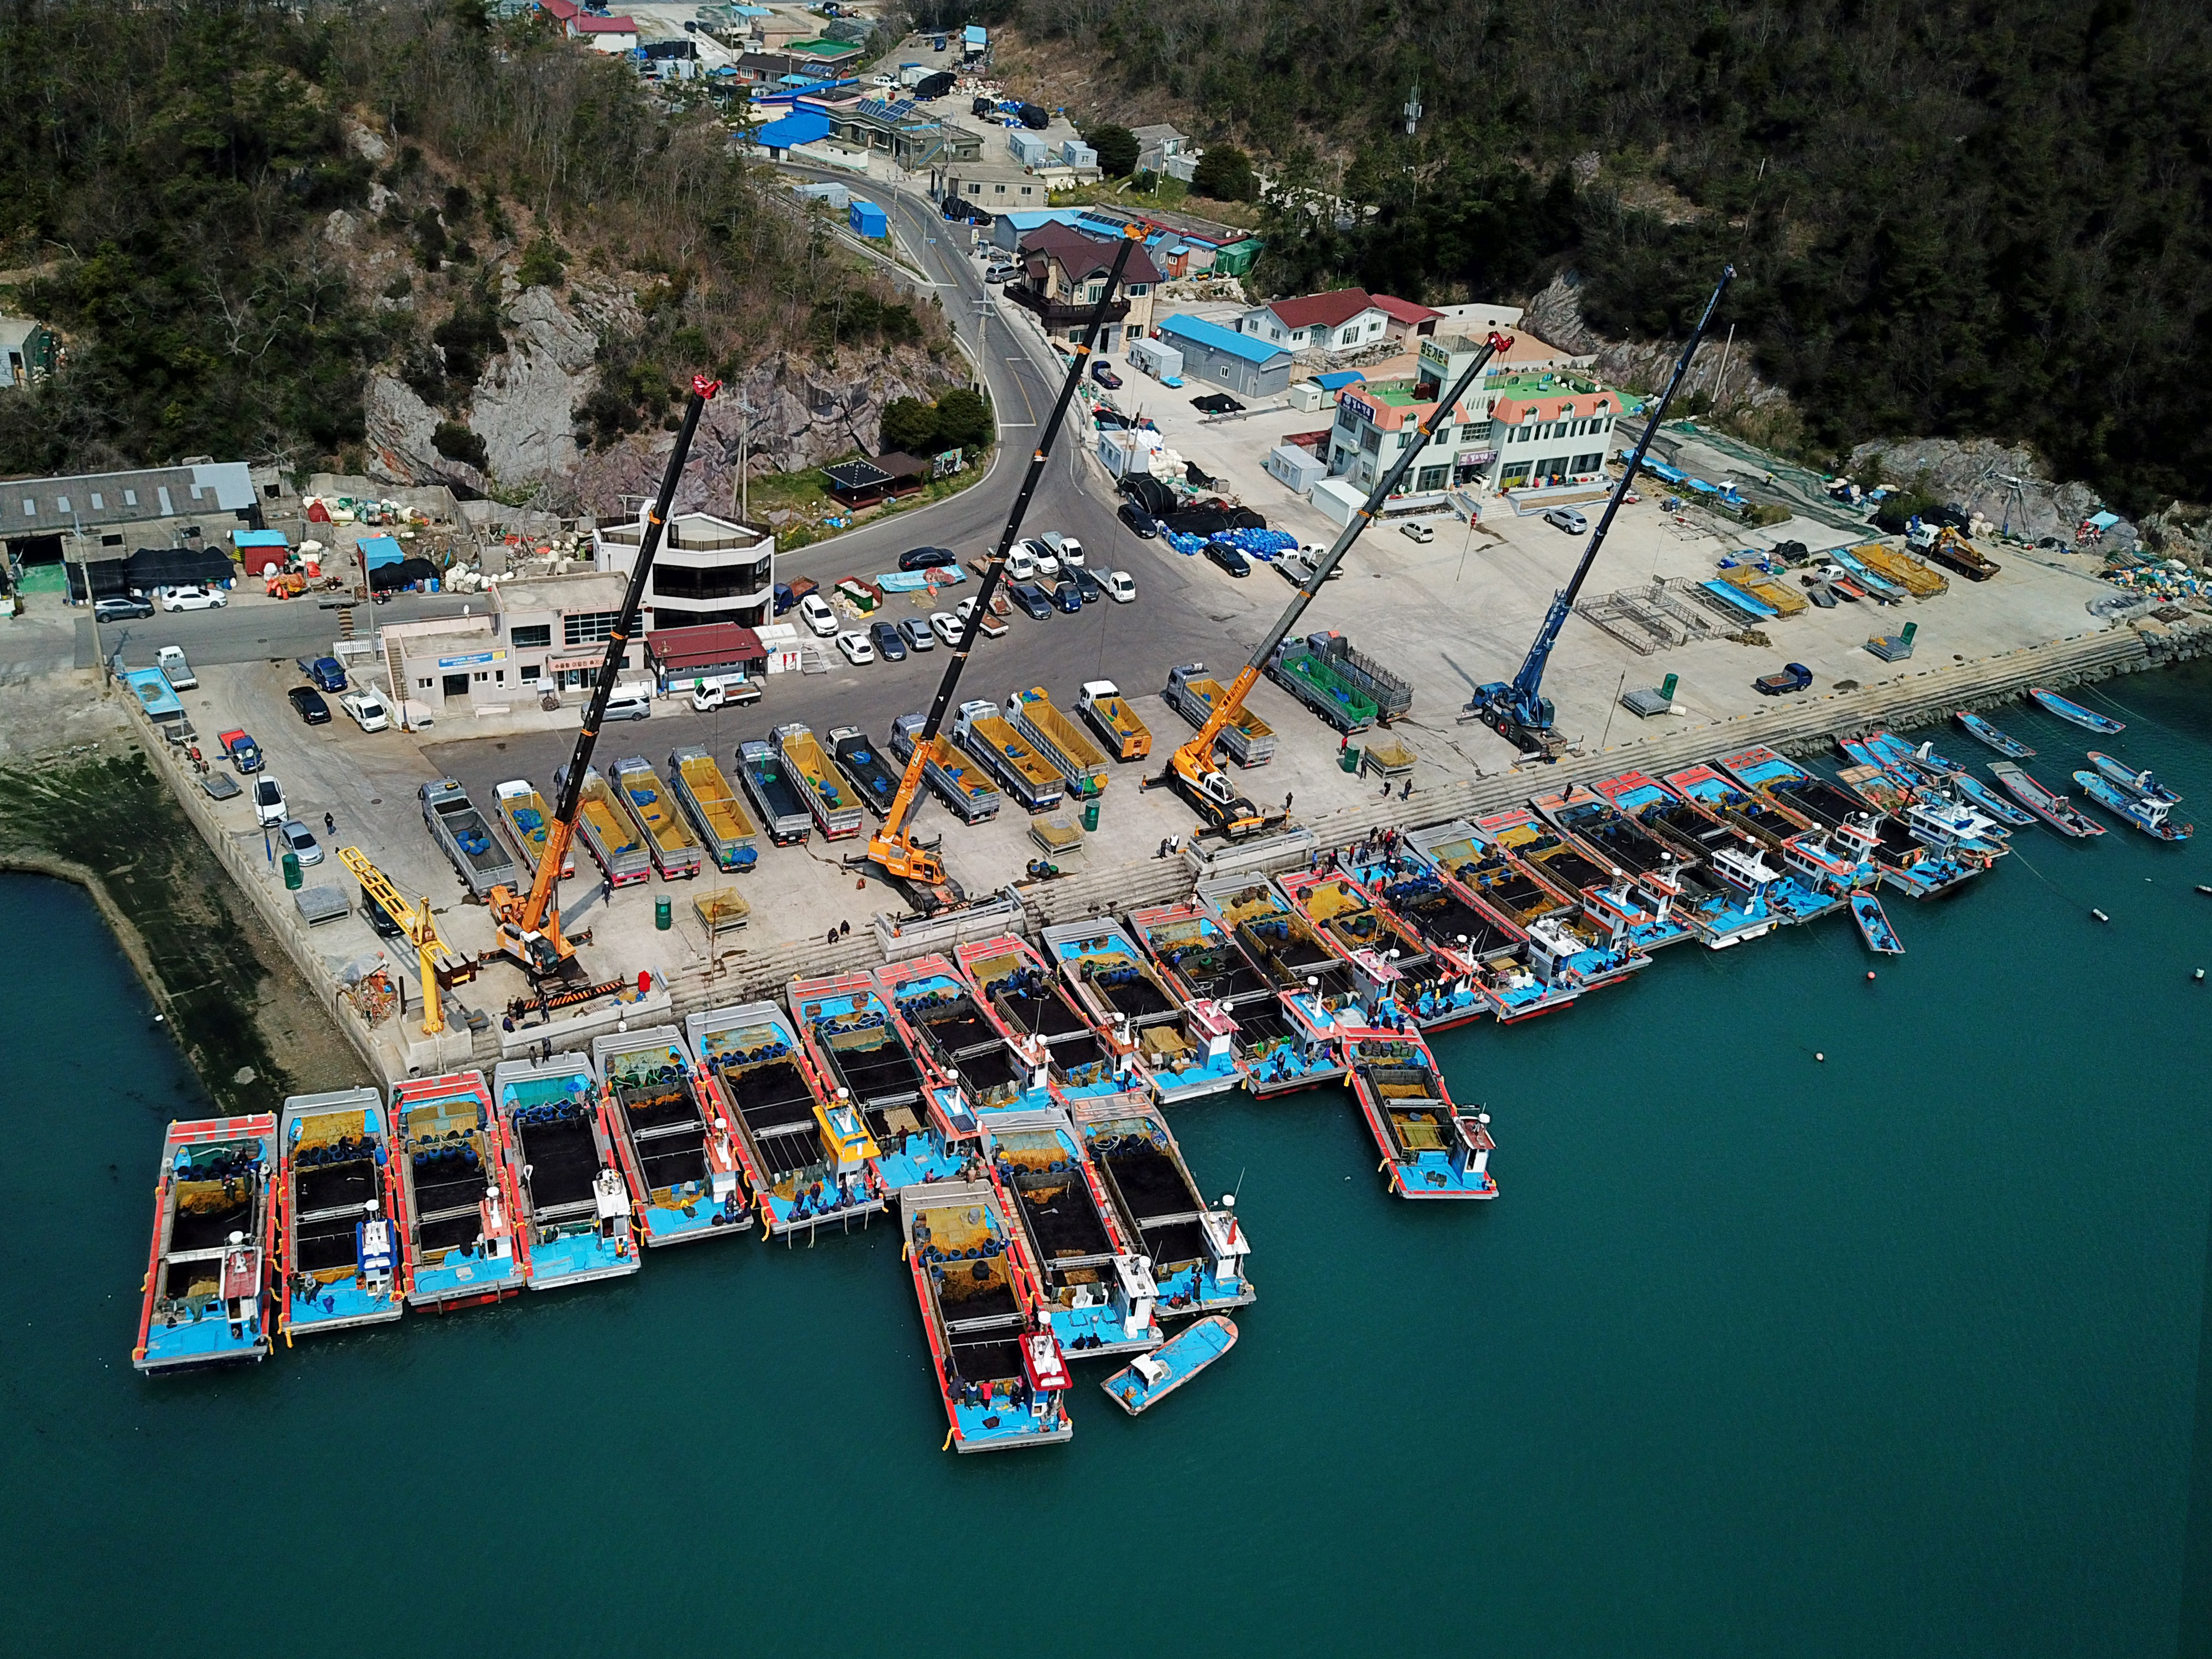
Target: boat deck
{"type": "Point", "coordinates": [562, 1159]}
{"type": "Point", "coordinates": [333, 1164]}
{"type": "Point", "coordinates": [449, 1165]}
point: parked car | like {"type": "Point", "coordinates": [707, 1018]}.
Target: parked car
{"type": "Point", "coordinates": [1229, 558]}
{"type": "Point", "coordinates": [814, 611]}
{"type": "Point", "coordinates": [927, 558]}
{"type": "Point", "coordinates": [192, 598]}
{"type": "Point", "coordinates": [1414, 531]}
{"type": "Point", "coordinates": [1088, 586]}
{"type": "Point", "coordinates": [914, 631]}
{"type": "Point", "coordinates": [108, 610]}
{"type": "Point", "coordinates": [308, 704]}
{"type": "Point", "coordinates": [1031, 598]}
{"type": "Point", "coordinates": [323, 672]}
{"type": "Point", "coordinates": [1066, 596]}
{"type": "Point", "coordinates": [1793, 676]}
{"type": "Point", "coordinates": [1045, 561]}
{"type": "Point", "coordinates": [370, 711]}
{"type": "Point", "coordinates": [856, 649]}
{"type": "Point", "coordinates": [1137, 520]}
{"type": "Point", "coordinates": [1066, 549]}
{"type": "Point", "coordinates": [1119, 585]}
{"type": "Point", "coordinates": [947, 626]}
{"type": "Point", "coordinates": [993, 627]}
{"type": "Point", "coordinates": [887, 641]}
{"type": "Point", "coordinates": [269, 808]}
{"type": "Point", "coordinates": [1002, 273]}
{"type": "Point", "coordinates": [300, 840]}
{"type": "Point", "coordinates": [1105, 377]}
{"type": "Point", "coordinates": [1567, 519]}
{"type": "Point", "coordinates": [629, 703]}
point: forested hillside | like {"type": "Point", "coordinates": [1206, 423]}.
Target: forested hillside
{"type": "Point", "coordinates": [239, 212]}
{"type": "Point", "coordinates": [1956, 217]}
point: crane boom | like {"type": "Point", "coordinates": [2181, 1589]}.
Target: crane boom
{"type": "Point", "coordinates": [892, 845]}
{"type": "Point", "coordinates": [436, 964]}
{"type": "Point", "coordinates": [529, 926]}
{"type": "Point", "coordinates": [1193, 766]}
{"type": "Point", "coordinates": [1520, 713]}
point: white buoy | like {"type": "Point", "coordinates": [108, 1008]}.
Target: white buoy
{"type": "Point", "coordinates": [1819, 1056]}
{"type": "Point", "coordinates": [2100, 915]}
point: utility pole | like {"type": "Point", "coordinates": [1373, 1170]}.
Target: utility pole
{"type": "Point", "coordinates": [1414, 113]}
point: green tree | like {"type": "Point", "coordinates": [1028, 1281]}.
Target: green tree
{"type": "Point", "coordinates": [965, 421]}
{"type": "Point", "coordinates": [456, 443]}
{"type": "Point", "coordinates": [540, 266]}
{"type": "Point", "coordinates": [1117, 150]}
{"type": "Point", "coordinates": [909, 424]}
{"type": "Point", "coordinates": [1224, 173]}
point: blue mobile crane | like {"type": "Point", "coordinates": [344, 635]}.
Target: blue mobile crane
{"type": "Point", "coordinates": [1520, 713]}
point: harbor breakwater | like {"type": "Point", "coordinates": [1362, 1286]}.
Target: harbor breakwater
{"type": "Point", "coordinates": [1797, 725]}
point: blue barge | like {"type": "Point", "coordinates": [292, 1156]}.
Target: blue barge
{"type": "Point", "coordinates": [1000, 1374]}
{"type": "Point", "coordinates": [1284, 1039]}
{"type": "Point", "coordinates": [339, 1253]}
{"type": "Point", "coordinates": [1183, 1049]}
{"type": "Point", "coordinates": [1197, 1250]}
{"type": "Point", "coordinates": [574, 1208]}
{"type": "Point", "coordinates": [1431, 1147]}
{"type": "Point", "coordinates": [205, 1299]}
{"type": "Point", "coordinates": [682, 1169]}
{"type": "Point", "coordinates": [457, 1194]}
{"type": "Point", "coordinates": [1096, 1294]}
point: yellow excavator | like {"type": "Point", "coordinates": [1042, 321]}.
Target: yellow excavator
{"type": "Point", "coordinates": [530, 923]}
{"type": "Point", "coordinates": [892, 847]}
{"type": "Point", "coordinates": [1198, 769]}
{"type": "Point", "coordinates": [438, 965]}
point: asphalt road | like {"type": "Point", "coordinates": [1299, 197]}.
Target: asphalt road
{"type": "Point", "coordinates": [252, 629]}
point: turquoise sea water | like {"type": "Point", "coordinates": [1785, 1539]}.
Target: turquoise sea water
{"type": "Point", "coordinates": [1895, 1352]}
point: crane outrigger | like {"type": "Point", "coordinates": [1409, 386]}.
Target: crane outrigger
{"type": "Point", "coordinates": [1519, 712]}
{"type": "Point", "coordinates": [892, 847]}
{"type": "Point", "coordinates": [1197, 768]}
{"type": "Point", "coordinates": [530, 923]}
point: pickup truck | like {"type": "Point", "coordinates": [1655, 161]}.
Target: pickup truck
{"type": "Point", "coordinates": [370, 711]}
{"type": "Point", "coordinates": [170, 660]}
{"type": "Point", "coordinates": [325, 672]}
{"type": "Point", "coordinates": [1793, 676]}
{"type": "Point", "coordinates": [239, 744]}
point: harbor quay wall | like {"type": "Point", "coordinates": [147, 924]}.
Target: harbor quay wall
{"type": "Point", "coordinates": [742, 972]}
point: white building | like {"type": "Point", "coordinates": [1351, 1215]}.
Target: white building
{"type": "Point", "coordinates": [1344, 320]}
{"type": "Point", "coordinates": [708, 569]}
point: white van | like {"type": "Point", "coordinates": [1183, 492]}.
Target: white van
{"type": "Point", "coordinates": [630, 702]}
{"type": "Point", "coordinates": [715, 691]}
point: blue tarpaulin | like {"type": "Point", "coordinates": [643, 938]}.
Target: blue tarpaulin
{"type": "Point", "coordinates": [379, 550]}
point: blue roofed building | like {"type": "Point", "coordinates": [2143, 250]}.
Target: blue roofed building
{"type": "Point", "coordinates": [1224, 359]}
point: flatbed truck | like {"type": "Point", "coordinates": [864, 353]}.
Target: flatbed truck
{"type": "Point", "coordinates": [762, 775]}
{"type": "Point", "coordinates": [456, 825]}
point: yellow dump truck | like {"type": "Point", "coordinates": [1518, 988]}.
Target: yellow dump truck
{"type": "Point", "coordinates": [1109, 712]}
{"type": "Point", "coordinates": [674, 849]}
{"type": "Point", "coordinates": [1011, 759]}
{"type": "Point", "coordinates": [1059, 740]}
{"type": "Point", "coordinates": [832, 801]}
{"type": "Point", "coordinates": [1894, 565]}
{"type": "Point", "coordinates": [1249, 740]}
{"type": "Point", "coordinates": [724, 826]}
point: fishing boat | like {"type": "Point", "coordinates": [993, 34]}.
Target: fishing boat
{"type": "Point", "coordinates": [1894, 763]}
{"type": "Point", "coordinates": [2067, 709]}
{"type": "Point", "coordinates": [1761, 827]}
{"type": "Point", "coordinates": [1893, 751]}
{"type": "Point", "coordinates": [1720, 914]}
{"type": "Point", "coordinates": [1431, 1147]}
{"type": "Point", "coordinates": [2153, 817]}
{"type": "Point", "coordinates": [1953, 829]}
{"type": "Point", "coordinates": [1184, 1049]}
{"type": "Point", "coordinates": [1281, 1043]}
{"type": "Point", "coordinates": [1486, 867]}
{"type": "Point", "coordinates": [1618, 841]}
{"type": "Point", "coordinates": [1197, 1250]}
{"type": "Point", "coordinates": [1874, 927]}
{"type": "Point", "coordinates": [575, 1210]}
{"type": "Point", "coordinates": [1760, 817]}
{"type": "Point", "coordinates": [339, 1248]}
{"type": "Point", "coordinates": [1002, 1376]}
{"type": "Point", "coordinates": [970, 1069]}
{"type": "Point", "coordinates": [1150, 1378]}
{"type": "Point", "coordinates": [2052, 807]}
{"type": "Point", "coordinates": [1025, 1000]}
{"type": "Point", "coordinates": [204, 1301]}
{"type": "Point", "coordinates": [1408, 983]}
{"type": "Point", "coordinates": [1493, 953]}
{"type": "Point", "coordinates": [679, 1157]}
{"type": "Point", "coordinates": [803, 1146]}
{"type": "Point", "coordinates": [1095, 1294]}
{"type": "Point", "coordinates": [1983, 799]}
{"type": "Point", "coordinates": [1982, 732]}
{"type": "Point", "coordinates": [2143, 783]}
{"type": "Point", "coordinates": [456, 1194]}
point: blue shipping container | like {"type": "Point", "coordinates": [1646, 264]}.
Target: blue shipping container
{"type": "Point", "coordinates": [868, 219]}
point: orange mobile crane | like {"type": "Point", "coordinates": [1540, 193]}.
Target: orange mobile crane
{"type": "Point", "coordinates": [893, 847]}
{"type": "Point", "coordinates": [530, 923]}
{"type": "Point", "coordinates": [1196, 768]}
